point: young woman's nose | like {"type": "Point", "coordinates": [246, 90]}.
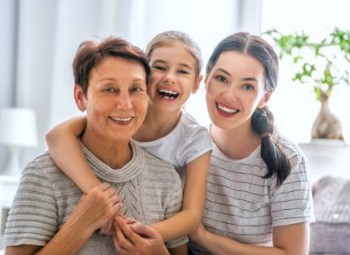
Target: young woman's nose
{"type": "Point", "coordinates": [230, 92]}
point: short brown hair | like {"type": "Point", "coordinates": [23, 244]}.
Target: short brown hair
{"type": "Point", "coordinates": [91, 53]}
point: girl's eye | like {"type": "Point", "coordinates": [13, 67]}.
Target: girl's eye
{"type": "Point", "coordinates": [248, 87]}
{"type": "Point", "coordinates": [221, 78]}
{"type": "Point", "coordinates": [183, 71]}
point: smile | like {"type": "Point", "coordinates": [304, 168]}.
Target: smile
{"type": "Point", "coordinates": [226, 110]}
{"type": "Point", "coordinates": [168, 94]}
{"type": "Point", "coordinates": [121, 120]}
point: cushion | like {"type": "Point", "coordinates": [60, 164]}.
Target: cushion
{"type": "Point", "coordinates": [330, 233]}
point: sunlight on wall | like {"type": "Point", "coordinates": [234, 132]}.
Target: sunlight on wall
{"type": "Point", "coordinates": [294, 105]}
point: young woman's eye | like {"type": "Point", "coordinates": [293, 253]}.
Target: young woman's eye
{"type": "Point", "coordinates": [248, 87]}
{"type": "Point", "coordinates": [221, 78]}
{"type": "Point", "coordinates": [161, 68]}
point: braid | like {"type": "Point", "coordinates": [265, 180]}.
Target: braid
{"type": "Point", "coordinates": [277, 163]}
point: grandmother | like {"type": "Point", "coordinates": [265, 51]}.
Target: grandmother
{"type": "Point", "coordinates": [50, 214]}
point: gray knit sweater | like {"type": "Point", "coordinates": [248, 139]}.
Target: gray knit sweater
{"type": "Point", "coordinates": [150, 190]}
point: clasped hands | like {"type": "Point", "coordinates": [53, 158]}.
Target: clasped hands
{"type": "Point", "coordinates": [101, 209]}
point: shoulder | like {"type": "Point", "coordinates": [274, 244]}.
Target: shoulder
{"type": "Point", "coordinates": [42, 170]}
{"type": "Point", "coordinates": [191, 129]}
{"type": "Point", "coordinates": [290, 148]}
{"type": "Point", "coordinates": [41, 165]}
{"type": "Point", "coordinates": [153, 163]}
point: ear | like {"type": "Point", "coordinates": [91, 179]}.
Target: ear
{"type": "Point", "coordinates": [265, 99]}
{"type": "Point", "coordinates": [79, 97]}
{"type": "Point", "coordinates": [197, 83]}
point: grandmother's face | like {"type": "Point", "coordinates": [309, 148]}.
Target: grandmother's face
{"type": "Point", "coordinates": [116, 100]}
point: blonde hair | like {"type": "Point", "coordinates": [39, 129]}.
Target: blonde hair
{"type": "Point", "coordinates": [170, 37]}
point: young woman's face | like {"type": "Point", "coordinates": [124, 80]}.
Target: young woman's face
{"type": "Point", "coordinates": [116, 100]}
{"type": "Point", "coordinates": [173, 77]}
{"type": "Point", "coordinates": [235, 88]}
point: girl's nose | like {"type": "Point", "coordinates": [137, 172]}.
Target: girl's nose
{"type": "Point", "coordinates": [169, 78]}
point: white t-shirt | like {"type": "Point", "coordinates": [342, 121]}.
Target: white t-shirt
{"type": "Point", "coordinates": [186, 142]}
{"type": "Point", "coordinates": [243, 205]}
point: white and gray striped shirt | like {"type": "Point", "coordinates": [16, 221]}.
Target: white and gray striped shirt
{"type": "Point", "coordinates": [243, 205]}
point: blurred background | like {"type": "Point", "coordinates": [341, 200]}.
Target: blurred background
{"type": "Point", "coordinates": [38, 40]}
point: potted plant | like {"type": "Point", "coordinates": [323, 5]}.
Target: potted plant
{"type": "Point", "coordinates": [322, 64]}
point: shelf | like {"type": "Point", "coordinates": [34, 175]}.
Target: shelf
{"type": "Point", "coordinates": [327, 157]}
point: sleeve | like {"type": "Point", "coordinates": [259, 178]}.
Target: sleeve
{"type": "Point", "coordinates": [291, 202]}
{"type": "Point", "coordinates": [32, 218]}
{"type": "Point", "coordinates": [196, 144]}
{"type": "Point", "coordinates": [173, 206]}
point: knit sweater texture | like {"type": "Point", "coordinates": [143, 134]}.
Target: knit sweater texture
{"type": "Point", "coordinates": [150, 190]}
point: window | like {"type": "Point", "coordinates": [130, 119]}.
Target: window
{"type": "Point", "coordinates": [294, 105]}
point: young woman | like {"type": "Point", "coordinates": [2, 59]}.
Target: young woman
{"type": "Point", "coordinates": [258, 190]}
{"type": "Point", "coordinates": [168, 132]}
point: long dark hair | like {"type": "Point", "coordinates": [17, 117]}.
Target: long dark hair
{"type": "Point", "coordinates": [262, 120]}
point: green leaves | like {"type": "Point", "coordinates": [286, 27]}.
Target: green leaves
{"type": "Point", "coordinates": [324, 63]}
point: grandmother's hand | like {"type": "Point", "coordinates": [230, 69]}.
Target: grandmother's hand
{"type": "Point", "coordinates": [134, 238]}
{"type": "Point", "coordinates": [100, 205]}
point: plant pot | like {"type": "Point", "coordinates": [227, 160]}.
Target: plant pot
{"type": "Point", "coordinates": [326, 124]}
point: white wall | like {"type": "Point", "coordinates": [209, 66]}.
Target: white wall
{"type": "Point", "coordinates": [293, 104]}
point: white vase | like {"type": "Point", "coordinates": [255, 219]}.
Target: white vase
{"type": "Point", "coordinates": [326, 124]}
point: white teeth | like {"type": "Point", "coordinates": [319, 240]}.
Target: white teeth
{"type": "Point", "coordinates": [122, 119]}
{"type": "Point", "coordinates": [168, 92]}
{"type": "Point", "coordinates": [227, 109]}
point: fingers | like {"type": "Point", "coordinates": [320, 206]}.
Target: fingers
{"type": "Point", "coordinates": [143, 230]}
{"type": "Point", "coordinates": [121, 238]}
{"type": "Point", "coordinates": [127, 231]}
{"type": "Point", "coordinates": [107, 229]}
{"type": "Point", "coordinates": [129, 220]}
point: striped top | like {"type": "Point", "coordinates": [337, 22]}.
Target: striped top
{"type": "Point", "coordinates": [150, 190]}
{"type": "Point", "coordinates": [244, 206]}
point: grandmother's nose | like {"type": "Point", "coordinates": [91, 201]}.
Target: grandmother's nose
{"type": "Point", "coordinates": [124, 101]}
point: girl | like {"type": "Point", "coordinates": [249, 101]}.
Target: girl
{"type": "Point", "coordinates": [258, 193]}
{"type": "Point", "coordinates": [168, 132]}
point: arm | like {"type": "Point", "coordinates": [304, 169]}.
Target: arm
{"type": "Point", "coordinates": [287, 240]}
{"type": "Point", "coordinates": [92, 212]}
{"type": "Point", "coordinates": [66, 151]}
{"type": "Point", "coordinates": [188, 219]}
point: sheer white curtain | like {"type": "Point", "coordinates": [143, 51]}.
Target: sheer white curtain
{"type": "Point", "coordinates": [39, 39]}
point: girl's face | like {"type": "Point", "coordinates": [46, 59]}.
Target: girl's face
{"type": "Point", "coordinates": [235, 88]}
{"type": "Point", "coordinates": [116, 101]}
{"type": "Point", "coordinates": [173, 77]}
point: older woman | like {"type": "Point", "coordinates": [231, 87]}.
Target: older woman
{"type": "Point", "coordinates": [50, 215]}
